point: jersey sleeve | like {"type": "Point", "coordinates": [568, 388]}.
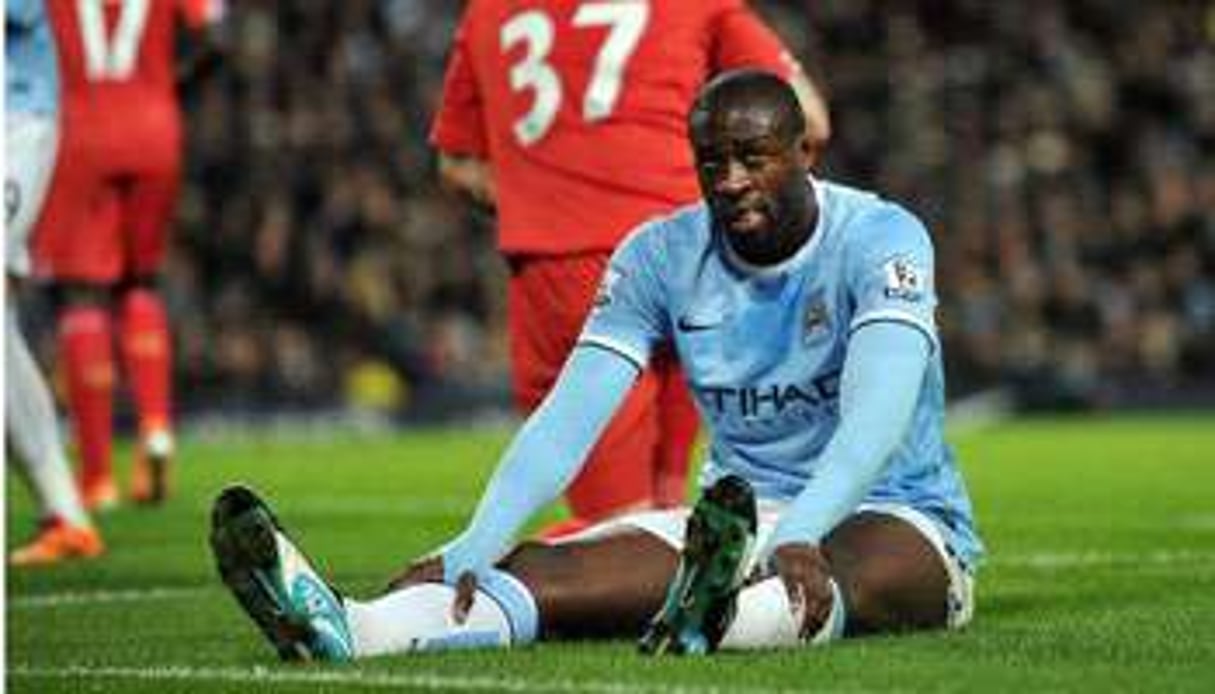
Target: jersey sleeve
{"type": "Point", "coordinates": [879, 387]}
{"type": "Point", "coordinates": [545, 455]}
{"type": "Point", "coordinates": [201, 13]}
{"type": "Point", "coordinates": [629, 314]}
{"type": "Point", "coordinates": [458, 126]}
{"type": "Point", "coordinates": [741, 39]}
{"type": "Point", "coordinates": [889, 272]}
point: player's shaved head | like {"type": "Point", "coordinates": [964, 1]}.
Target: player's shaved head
{"type": "Point", "coordinates": [756, 93]}
{"type": "Point", "coordinates": [752, 153]}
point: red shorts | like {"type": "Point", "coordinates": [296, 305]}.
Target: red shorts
{"type": "Point", "coordinates": [548, 300]}
{"type": "Point", "coordinates": [112, 196]}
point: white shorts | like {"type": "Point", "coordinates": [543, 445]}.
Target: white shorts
{"type": "Point", "coordinates": [30, 144]}
{"type": "Point", "coordinates": [668, 526]}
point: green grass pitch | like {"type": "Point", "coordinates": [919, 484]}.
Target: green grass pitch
{"type": "Point", "coordinates": [1101, 576]}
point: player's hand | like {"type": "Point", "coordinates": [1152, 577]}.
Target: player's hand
{"type": "Point", "coordinates": [430, 570]}
{"type": "Point", "coordinates": [804, 571]}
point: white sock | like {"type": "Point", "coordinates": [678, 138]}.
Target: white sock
{"type": "Point", "coordinates": [764, 618]}
{"type": "Point", "coordinates": [418, 618]}
{"type": "Point", "coordinates": [33, 428]}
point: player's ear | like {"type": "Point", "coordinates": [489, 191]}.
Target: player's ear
{"type": "Point", "coordinates": [807, 151]}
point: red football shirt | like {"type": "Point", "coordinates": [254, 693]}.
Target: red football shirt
{"type": "Point", "coordinates": [580, 106]}
{"type": "Point", "coordinates": [111, 51]}
{"type": "Point", "coordinates": [117, 65]}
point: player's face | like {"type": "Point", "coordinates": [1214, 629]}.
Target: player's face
{"type": "Point", "coordinates": [753, 178]}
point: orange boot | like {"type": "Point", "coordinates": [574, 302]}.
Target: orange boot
{"type": "Point", "coordinates": [150, 474]}
{"type": "Point", "coordinates": [58, 541]}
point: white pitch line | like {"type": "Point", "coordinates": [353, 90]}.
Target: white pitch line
{"type": "Point", "coordinates": [350, 677]}
{"type": "Point", "coordinates": [1063, 560]}
{"type": "Point", "coordinates": [98, 597]}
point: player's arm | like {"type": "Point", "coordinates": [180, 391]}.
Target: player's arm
{"type": "Point", "coordinates": [628, 319]}
{"type": "Point", "coordinates": [458, 129]}
{"type": "Point", "coordinates": [544, 456]}
{"type": "Point", "coordinates": [879, 387]}
{"type": "Point", "coordinates": [468, 176]}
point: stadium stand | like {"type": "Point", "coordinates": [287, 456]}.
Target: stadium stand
{"type": "Point", "coordinates": [1061, 153]}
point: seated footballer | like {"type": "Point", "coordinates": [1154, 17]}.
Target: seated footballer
{"type": "Point", "coordinates": [802, 312]}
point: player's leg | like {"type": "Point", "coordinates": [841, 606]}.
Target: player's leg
{"type": "Point", "coordinates": [891, 572]}
{"type": "Point", "coordinates": [890, 567]}
{"type": "Point", "coordinates": [678, 423]}
{"type": "Point", "coordinates": [570, 589]}
{"type": "Point", "coordinates": [86, 347]}
{"type": "Point", "coordinates": [147, 355]}
{"type": "Point", "coordinates": [143, 324]}
{"type": "Point", "coordinates": [539, 590]}
{"type": "Point", "coordinates": [33, 429]}
{"type": "Point", "coordinates": [580, 589]}
{"type": "Point", "coordinates": [30, 419]}
{"type": "Point", "coordinates": [31, 426]}
{"type": "Point", "coordinates": [77, 248]}
{"type": "Point", "coordinates": [549, 298]}
{"type": "Point", "coordinates": [897, 572]}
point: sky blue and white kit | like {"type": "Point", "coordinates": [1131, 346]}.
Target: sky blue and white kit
{"type": "Point", "coordinates": [820, 378]}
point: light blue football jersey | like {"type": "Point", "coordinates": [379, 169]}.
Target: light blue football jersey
{"type": "Point", "coordinates": [31, 71]}
{"type": "Point", "coordinates": [763, 348]}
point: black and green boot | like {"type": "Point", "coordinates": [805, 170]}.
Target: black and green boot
{"type": "Point", "coordinates": [700, 600]}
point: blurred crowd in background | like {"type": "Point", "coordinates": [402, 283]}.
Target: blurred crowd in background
{"type": "Point", "coordinates": [1063, 155]}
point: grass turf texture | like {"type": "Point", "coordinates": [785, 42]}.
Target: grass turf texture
{"type": "Point", "coordinates": [1101, 576]}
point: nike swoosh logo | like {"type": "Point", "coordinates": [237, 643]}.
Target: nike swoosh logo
{"type": "Point", "coordinates": [688, 326]}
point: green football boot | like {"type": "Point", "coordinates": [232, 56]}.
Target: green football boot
{"type": "Point", "coordinates": [276, 585]}
{"type": "Point", "coordinates": [700, 600]}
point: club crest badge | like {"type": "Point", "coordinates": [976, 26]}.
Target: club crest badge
{"type": "Point", "coordinates": [816, 321]}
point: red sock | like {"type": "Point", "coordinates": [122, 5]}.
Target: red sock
{"type": "Point", "coordinates": [147, 353]}
{"type": "Point", "coordinates": [86, 348]}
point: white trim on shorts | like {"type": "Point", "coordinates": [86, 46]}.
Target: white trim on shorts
{"type": "Point", "coordinates": [668, 525]}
